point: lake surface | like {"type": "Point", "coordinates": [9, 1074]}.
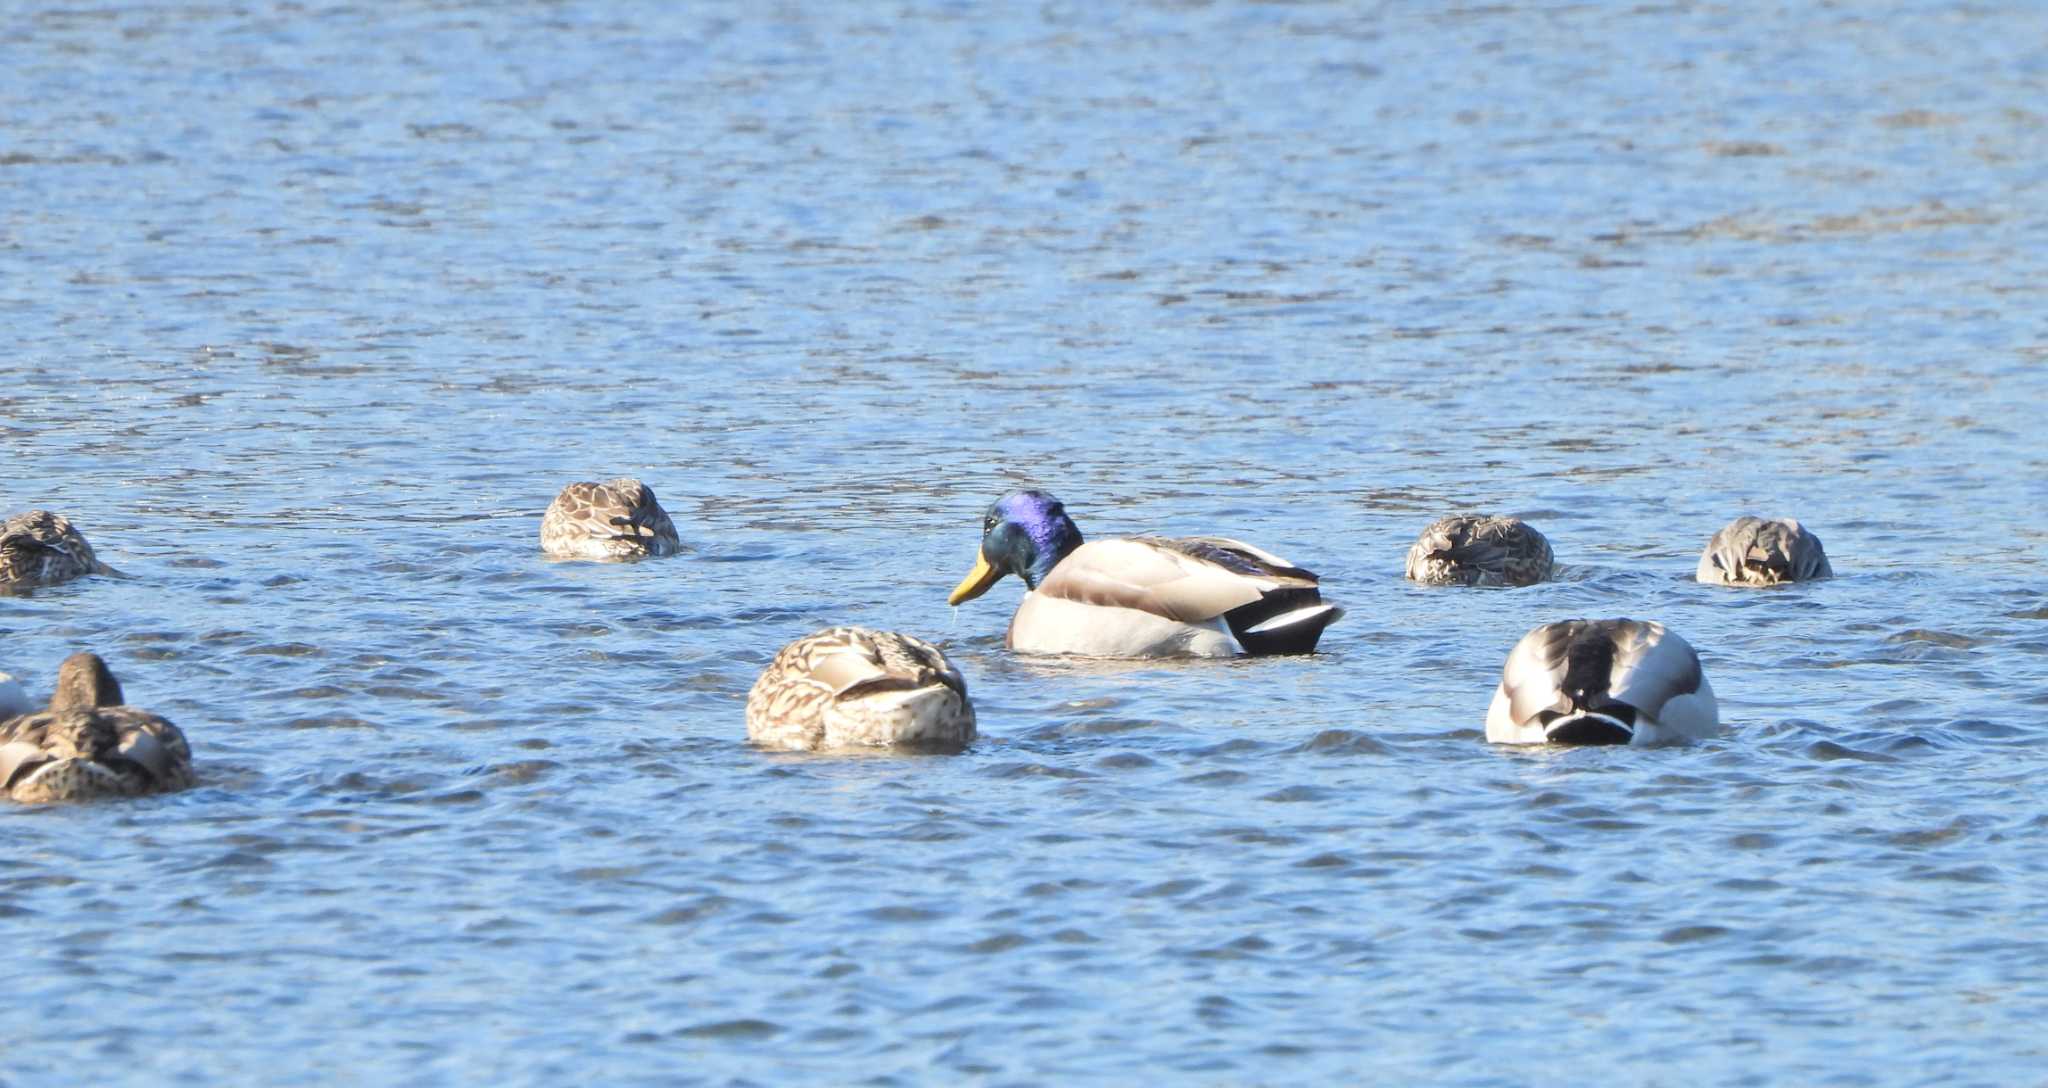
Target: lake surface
{"type": "Point", "coordinates": [310, 309]}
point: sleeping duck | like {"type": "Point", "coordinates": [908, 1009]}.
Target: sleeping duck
{"type": "Point", "coordinates": [1602, 682]}
{"type": "Point", "coordinates": [88, 745]}
{"type": "Point", "coordinates": [1477, 550]}
{"type": "Point", "coordinates": [1141, 596]}
{"type": "Point", "coordinates": [1752, 551]}
{"type": "Point", "coordinates": [617, 519]}
{"type": "Point", "coordinates": [852, 687]}
{"type": "Point", "coordinates": [40, 548]}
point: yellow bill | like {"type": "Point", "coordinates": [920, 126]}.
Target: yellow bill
{"type": "Point", "coordinates": [977, 581]}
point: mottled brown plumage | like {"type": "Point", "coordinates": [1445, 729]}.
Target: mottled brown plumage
{"type": "Point", "coordinates": [852, 687]}
{"type": "Point", "coordinates": [40, 548]}
{"type": "Point", "coordinates": [1480, 550]}
{"type": "Point", "coordinates": [86, 745]}
{"type": "Point", "coordinates": [617, 519]}
{"type": "Point", "coordinates": [1752, 551]}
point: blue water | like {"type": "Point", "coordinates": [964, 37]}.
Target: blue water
{"type": "Point", "coordinates": [310, 309]}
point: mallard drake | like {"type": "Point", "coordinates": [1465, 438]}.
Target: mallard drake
{"type": "Point", "coordinates": [1601, 682]}
{"type": "Point", "coordinates": [1480, 550]}
{"type": "Point", "coordinates": [852, 687]}
{"type": "Point", "coordinates": [1141, 596]}
{"type": "Point", "coordinates": [617, 519]}
{"type": "Point", "coordinates": [1763, 552]}
{"type": "Point", "coordinates": [89, 745]}
{"type": "Point", "coordinates": [40, 548]}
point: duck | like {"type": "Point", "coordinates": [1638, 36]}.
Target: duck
{"type": "Point", "coordinates": [1617, 681]}
{"type": "Point", "coordinates": [616, 519]}
{"type": "Point", "coordinates": [41, 548]}
{"type": "Point", "coordinates": [1480, 550]}
{"type": "Point", "coordinates": [1140, 596]}
{"type": "Point", "coordinates": [1753, 551]}
{"type": "Point", "coordinates": [88, 744]}
{"type": "Point", "coordinates": [856, 687]}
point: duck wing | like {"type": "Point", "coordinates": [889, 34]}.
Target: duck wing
{"type": "Point", "coordinates": [1270, 605]}
{"type": "Point", "coordinates": [1586, 664]}
{"type": "Point", "coordinates": [32, 740]}
{"type": "Point", "coordinates": [1534, 677]}
{"type": "Point", "coordinates": [621, 517]}
{"type": "Point", "coordinates": [1651, 665]}
{"type": "Point", "coordinates": [151, 743]}
{"type": "Point", "coordinates": [1186, 581]}
{"type": "Point", "coordinates": [853, 661]}
{"type": "Point", "coordinates": [22, 746]}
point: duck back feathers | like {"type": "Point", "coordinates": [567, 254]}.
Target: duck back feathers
{"type": "Point", "coordinates": [1288, 615]}
{"type": "Point", "coordinates": [1752, 551]}
{"type": "Point", "coordinates": [854, 687]}
{"type": "Point", "coordinates": [84, 747]}
{"type": "Point", "coordinates": [1479, 550]}
{"type": "Point", "coordinates": [41, 548]}
{"type": "Point", "coordinates": [616, 519]}
{"type": "Point", "coordinates": [1156, 596]}
{"type": "Point", "coordinates": [1617, 681]}
{"type": "Point", "coordinates": [81, 755]}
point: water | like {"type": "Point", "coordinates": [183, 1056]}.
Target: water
{"type": "Point", "coordinates": [310, 309]}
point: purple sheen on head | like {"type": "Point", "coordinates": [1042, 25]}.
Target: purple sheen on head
{"type": "Point", "coordinates": [1028, 506]}
{"type": "Point", "coordinates": [1043, 519]}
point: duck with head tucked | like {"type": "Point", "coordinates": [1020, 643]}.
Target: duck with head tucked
{"type": "Point", "coordinates": [1480, 550]}
{"type": "Point", "coordinates": [1141, 596]}
{"type": "Point", "coordinates": [617, 519]}
{"type": "Point", "coordinates": [1752, 551]}
{"type": "Point", "coordinates": [87, 744]}
{"type": "Point", "coordinates": [854, 687]}
{"type": "Point", "coordinates": [40, 548]}
{"type": "Point", "coordinates": [1617, 681]}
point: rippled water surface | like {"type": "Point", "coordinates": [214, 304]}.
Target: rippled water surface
{"type": "Point", "coordinates": [309, 310]}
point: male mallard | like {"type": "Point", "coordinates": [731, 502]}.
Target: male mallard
{"type": "Point", "coordinates": [617, 519]}
{"type": "Point", "coordinates": [1758, 552]}
{"type": "Point", "coordinates": [851, 687]}
{"type": "Point", "coordinates": [1477, 550]}
{"type": "Point", "coordinates": [1141, 596]}
{"type": "Point", "coordinates": [40, 548]}
{"type": "Point", "coordinates": [1601, 682]}
{"type": "Point", "coordinates": [88, 745]}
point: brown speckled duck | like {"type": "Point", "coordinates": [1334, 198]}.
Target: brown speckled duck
{"type": "Point", "coordinates": [88, 745]}
{"type": "Point", "coordinates": [852, 687]}
{"type": "Point", "coordinates": [40, 548]}
{"type": "Point", "coordinates": [1752, 551]}
{"type": "Point", "coordinates": [1478, 550]}
{"type": "Point", "coordinates": [617, 519]}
